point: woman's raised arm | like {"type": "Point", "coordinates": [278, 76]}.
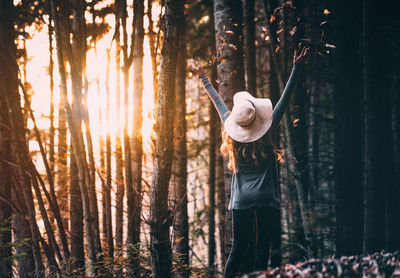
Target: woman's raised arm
{"type": "Point", "coordinates": [212, 93]}
{"type": "Point", "coordinates": [280, 107]}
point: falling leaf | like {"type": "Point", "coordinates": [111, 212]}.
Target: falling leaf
{"type": "Point", "coordinates": [272, 18]}
{"type": "Point", "coordinates": [293, 31]}
{"type": "Point", "coordinates": [295, 122]}
{"type": "Point", "coordinates": [277, 48]}
{"type": "Point", "coordinates": [326, 12]}
{"type": "Point", "coordinates": [279, 31]}
{"type": "Point", "coordinates": [222, 60]}
{"type": "Point", "coordinates": [230, 33]}
{"type": "Point", "coordinates": [232, 46]}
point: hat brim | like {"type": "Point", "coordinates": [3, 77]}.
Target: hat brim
{"type": "Point", "coordinates": [261, 124]}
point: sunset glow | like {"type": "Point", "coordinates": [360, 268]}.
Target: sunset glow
{"type": "Point", "coordinates": [39, 78]}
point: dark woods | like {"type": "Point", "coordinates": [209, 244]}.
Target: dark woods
{"type": "Point", "coordinates": [105, 206]}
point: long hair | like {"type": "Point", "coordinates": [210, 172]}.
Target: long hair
{"type": "Point", "coordinates": [255, 152]}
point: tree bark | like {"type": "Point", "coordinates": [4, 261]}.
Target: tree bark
{"type": "Point", "coordinates": [134, 189]}
{"type": "Point", "coordinates": [228, 17]}
{"type": "Point", "coordinates": [74, 122]}
{"type": "Point", "coordinates": [76, 216]}
{"type": "Point", "coordinates": [179, 166]}
{"type": "Point", "coordinates": [160, 217]}
{"type": "Point", "coordinates": [119, 167]}
{"type": "Point", "coordinates": [347, 169]}
{"type": "Point", "coordinates": [249, 47]}
{"type": "Point", "coordinates": [5, 192]}
{"type": "Point", "coordinates": [212, 183]}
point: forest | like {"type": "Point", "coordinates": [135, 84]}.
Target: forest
{"type": "Point", "coordinates": [110, 161]}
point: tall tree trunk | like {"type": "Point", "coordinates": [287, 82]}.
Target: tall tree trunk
{"type": "Point", "coordinates": [74, 122]}
{"type": "Point", "coordinates": [212, 183]}
{"type": "Point", "coordinates": [11, 100]}
{"type": "Point", "coordinates": [78, 66]}
{"type": "Point", "coordinates": [153, 42]}
{"type": "Point", "coordinates": [160, 218]}
{"type": "Point", "coordinates": [377, 162]}
{"type": "Point", "coordinates": [76, 217]}
{"type": "Point", "coordinates": [127, 142]}
{"type": "Point", "coordinates": [368, 159]}
{"type": "Point", "coordinates": [347, 103]}
{"type": "Point", "coordinates": [5, 192]}
{"type": "Point", "coordinates": [228, 17]}
{"type": "Point", "coordinates": [108, 184]}
{"type": "Point", "coordinates": [51, 117]}
{"type": "Point", "coordinates": [62, 168]}
{"type": "Point", "coordinates": [134, 189]}
{"type": "Point", "coordinates": [119, 167]}
{"type": "Point", "coordinates": [179, 166]}
{"type": "Point", "coordinates": [249, 47]}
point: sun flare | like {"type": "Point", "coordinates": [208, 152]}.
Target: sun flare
{"type": "Point", "coordinates": [97, 100]}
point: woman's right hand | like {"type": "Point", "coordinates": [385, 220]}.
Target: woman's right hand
{"type": "Point", "coordinates": [195, 67]}
{"type": "Point", "coordinates": [302, 56]}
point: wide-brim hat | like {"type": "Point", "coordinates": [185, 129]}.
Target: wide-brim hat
{"type": "Point", "coordinates": [250, 118]}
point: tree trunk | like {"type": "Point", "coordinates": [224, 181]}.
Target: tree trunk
{"type": "Point", "coordinates": [160, 218]}
{"type": "Point", "coordinates": [347, 102]}
{"type": "Point", "coordinates": [249, 47]}
{"type": "Point", "coordinates": [74, 122]}
{"type": "Point", "coordinates": [179, 166]}
{"type": "Point", "coordinates": [108, 184]}
{"type": "Point", "coordinates": [76, 216]}
{"type": "Point", "coordinates": [10, 99]}
{"type": "Point", "coordinates": [134, 190]}
{"type": "Point", "coordinates": [119, 167]}
{"type": "Point", "coordinates": [5, 192]}
{"type": "Point", "coordinates": [51, 117]}
{"type": "Point", "coordinates": [211, 183]}
{"type": "Point", "coordinates": [228, 17]}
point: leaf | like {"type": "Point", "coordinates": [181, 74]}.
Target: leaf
{"type": "Point", "coordinates": [232, 46]}
{"type": "Point", "coordinates": [230, 33]}
{"type": "Point", "coordinates": [272, 19]}
{"type": "Point", "coordinates": [295, 122]}
{"type": "Point", "coordinates": [326, 12]}
{"type": "Point", "coordinates": [277, 48]}
{"type": "Point", "coordinates": [279, 31]}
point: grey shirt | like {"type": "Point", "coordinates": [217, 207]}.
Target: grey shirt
{"type": "Point", "coordinates": [256, 185]}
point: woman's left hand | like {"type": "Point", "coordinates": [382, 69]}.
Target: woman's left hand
{"type": "Point", "coordinates": [195, 67]}
{"type": "Point", "coordinates": [302, 56]}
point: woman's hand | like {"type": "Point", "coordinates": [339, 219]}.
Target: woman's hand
{"type": "Point", "coordinates": [302, 56]}
{"type": "Point", "coordinates": [195, 67]}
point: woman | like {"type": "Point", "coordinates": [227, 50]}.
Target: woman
{"type": "Point", "coordinates": [248, 144]}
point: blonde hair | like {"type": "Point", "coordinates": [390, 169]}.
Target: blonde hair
{"type": "Point", "coordinates": [256, 152]}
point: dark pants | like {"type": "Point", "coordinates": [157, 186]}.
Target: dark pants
{"type": "Point", "coordinates": [242, 234]}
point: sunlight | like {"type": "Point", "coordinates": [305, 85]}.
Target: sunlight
{"type": "Point", "coordinates": [39, 78]}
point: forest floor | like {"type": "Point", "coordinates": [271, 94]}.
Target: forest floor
{"type": "Point", "coordinates": [374, 265]}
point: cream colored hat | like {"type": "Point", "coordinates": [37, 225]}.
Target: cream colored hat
{"type": "Point", "coordinates": [250, 118]}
